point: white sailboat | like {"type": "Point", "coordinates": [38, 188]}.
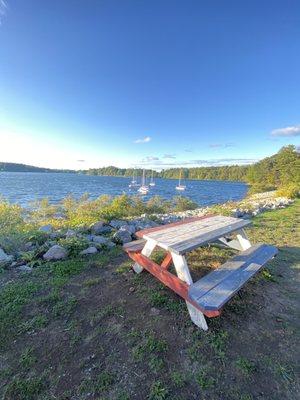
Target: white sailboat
{"type": "Point", "coordinates": [133, 183]}
{"type": "Point", "coordinates": [144, 189]}
{"type": "Point", "coordinates": [180, 186]}
{"type": "Point", "coordinates": [152, 183]}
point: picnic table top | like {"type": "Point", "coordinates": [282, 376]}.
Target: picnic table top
{"type": "Point", "coordinates": [191, 233]}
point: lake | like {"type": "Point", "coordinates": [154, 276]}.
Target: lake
{"type": "Point", "coordinates": [25, 187]}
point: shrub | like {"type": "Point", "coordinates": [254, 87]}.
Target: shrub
{"type": "Point", "coordinates": [260, 188]}
{"type": "Point", "coordinates": [291, 191]}
{"type": "Point", "coordinates": [181, 203]}
{"type": "Point", "coordinates": [74, 245]}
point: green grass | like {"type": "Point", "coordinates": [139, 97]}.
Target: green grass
{"type": "Point", "coordinates": [158, 391]}
{"type": "Point", "coordinates": [24, 389]}
{"type": "Point", "coordinates": [245, 365]}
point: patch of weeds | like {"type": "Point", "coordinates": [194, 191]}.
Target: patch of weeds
{"type": "Point", "coordinates": [13, 298]}
{"type": "Point", "coordinates": [123, 396]}
{"type": "Point", "coordinates": [217, 341]}
{"type": "Point", "coordinates": [124, 267]}
{"type": "Point", "coordinates": [24, 389]}
{"type": "Point", "coordinates": [27, 359]}
{"type": "Point", "coordinates": [203, 380]}
{"type": "Point", "coordinates": [37, 322]}
{"type": "Point", "coordinates": [266, 274]}
{"type": "Point", "coordinates": [158, 256]}
{"type": "Point", "coordinates": [64, 307]}
{"type": "Point", "coordinates": [158, 391]}
{"type": "Point", "coordinates": [91, 282]}
{"type": "Point", "coordinates": [286, 372]}
{"type": "Point", "coordinates": [178, 379]}
{"type": "Point", "coordinates": [158, 299]}
{"type": "Point", "coordinates": [156, 363]}
{"type": "Point", "coordinates": [150, 345]}
{"type": "Point", "coordinates": [66, 269]}
{"type": "Point", "coordinates": [74, 245]}
{"type": "Point", "coordinates": [103, 381]}
{"type": "Point", "coordinates": [245, 365]}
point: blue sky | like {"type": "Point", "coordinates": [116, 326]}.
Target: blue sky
{"type": "Point", "coordinates": [86, 83]}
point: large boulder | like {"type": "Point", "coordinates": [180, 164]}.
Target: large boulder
{"type": "Point", "coordinates": [99, 239]}
{"type": "Point", "coordinates": [117, 223]}
{"type": "Point", "coordinates": [122, 236]}
{"type": "Point", "coordinates": [98, 227]}
{"type": "Point", "coordinates": [55, 252]}
{"type": "Point", "coordinates": [89, 250]}
{"type": "Point", "coordinates": [46, 228]}
{"type": "Point", "coordinates": [4, 258]}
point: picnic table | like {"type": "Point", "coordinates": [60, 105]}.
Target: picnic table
{"type": "Point", "coordinates": [208, 295]}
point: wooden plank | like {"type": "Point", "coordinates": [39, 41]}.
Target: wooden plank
{"type": "Point", "coordinates": [143, 232]}
{"type": "Point", "coordinates": [184, 240]}
{"type": "Point", "coordinates": [167, 261]}
{"type": "Point", "coordinates": [135, 245]}
{"type": "Point", "coordinates": [239, 271]}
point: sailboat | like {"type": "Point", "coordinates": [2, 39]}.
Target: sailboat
{"type": "Point", "coordinates": [180, 186]}
{"type": "Point", "coordinates": [133, 183]}
{"type": "Point", "coordinates": [144, 189]}
{"type": "Point", "coordinates": [152, 183]}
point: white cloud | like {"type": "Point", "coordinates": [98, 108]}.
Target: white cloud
{"type": "Point", "coordinates": [146, 139]}
{"type": "Point", "coordinates": [150, 159]}
{"type": "Point", "coordinates": [221, 145]}
{"type": "Point", "coordinates": [172, 156]}
{"type": "Point", "coordinates": [3, 8]}
{"type": "Point", "coordinates": [286, 132]}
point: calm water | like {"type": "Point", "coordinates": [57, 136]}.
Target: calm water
{"type": "Point", "coordinates": [25, 187]}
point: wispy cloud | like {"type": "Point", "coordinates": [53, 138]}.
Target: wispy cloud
{"type": "Point", "coordinates": [3, 9]}
{"type": "Point", "coordinates": [80, 160]}
{"type": "Point", "coordinates": [221, 145]}
{"type": "Point", "coordinates": [171, 156]}
{"type": "Point", "coordinates": [287, 131]}
{"type": "Point", "coordinates": [150, 159]}
{"type": "Point", "coordinates": [146, 139]}
{"type": "Point", "coordinates": [188, 150]}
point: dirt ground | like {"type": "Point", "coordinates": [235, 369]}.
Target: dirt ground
{"type": "Point", "coordinates": [95, 330]}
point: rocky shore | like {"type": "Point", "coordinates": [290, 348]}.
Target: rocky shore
{"type": "Point", "coordinates": [59, 244]}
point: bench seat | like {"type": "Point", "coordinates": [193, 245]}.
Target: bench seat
{"type": "Point", "coordinates": [135, 246]}
{"type": "Point", "coordinates": [215, 289]}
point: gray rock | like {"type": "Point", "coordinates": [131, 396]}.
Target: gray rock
{"type": "Point", "coordinates": [29, 246]}
{"type": "Point", "coordinates": [99, 239]}
{"type": "Point", "coordinates": [117, 223]}
{"type": "Point", "coordinates": [46, 228]}
{"type": "Point", "coordinates": [5, 258]}
{"type": "Point", "coordinates": [24, 268]}
{"type": "Point", "coordinates": [70, 233]}
{"type": "Point", "coordinates": [122, 236]}
{"type": "Point", "coordinates": [55, 252]}
{"type": "Point", "coordinates": [89, 250]}
{"type": "Point", "coordinates": [97, 227]}
{"type": "Point", "coordinates": [130, 228]}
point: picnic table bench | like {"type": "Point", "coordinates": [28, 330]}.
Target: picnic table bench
{"type": "Point", "coordinates": [208, 295]}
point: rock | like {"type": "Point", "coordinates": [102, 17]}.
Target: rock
{"type": "Point", "coordinates": [55, 252]}
{"type": "Point", "coordinates": [70, 233]}
{"type": "Point", "coordinates": [130, 228]}
{"type": "Point", "coordinates": [97, 227]}
{"type": "Point", "coordinates": [117, 223]}
{"type": "Point", "coordinates": [122, 236]}
{"type": "Point", "coordinates": [109, 244]}
{"type": "Point", "coordinates": [46, 228]}
{"type": "Point", "coordinates": [29, 246]}
{"type": "Point", "coordinates": [99, 239]}
{"type": "Point", "coordinates": [89, 250]}
{"type": "Point", "coordinates": [5, 258]}
{"type": "Point", "coordinates": [24, 268]}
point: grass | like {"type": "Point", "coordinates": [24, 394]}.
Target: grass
{"type": "Point", "coordinates": [80, 317]}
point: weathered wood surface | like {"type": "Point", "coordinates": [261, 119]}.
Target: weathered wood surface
{"type": "Point", "coordinates": [215, 289]}
{"type": "Point", "coordinates": [143, 232]}
{"type": "Point", "coordinates": [136, 245]}
{"type": "Point", "coordinates": [192, 234]}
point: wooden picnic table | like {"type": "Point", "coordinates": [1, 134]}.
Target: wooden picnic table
{"type": "Point", "coordinates": [208, 295]}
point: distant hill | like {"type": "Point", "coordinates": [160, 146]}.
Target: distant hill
{"type": "Point", "coordinates": [12, 167]}
{"type": "Point", "coordinates": [271, 172]}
